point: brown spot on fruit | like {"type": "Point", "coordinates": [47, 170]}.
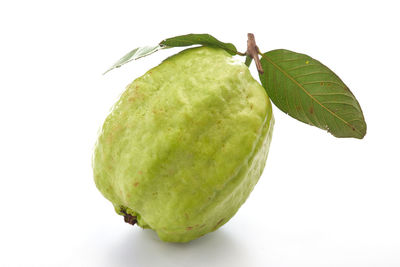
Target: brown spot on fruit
{"type": "Point", "coordinates": [298, 108]}
{"type": "Point", "coordinates": [189, 228]}
{"type": "Point", "coordinates": [136, 184]}
{"type": "Point", "coordinates": [218, 223]}
{"type": "Point", "coordinates": [140, 172]}
{"type": "Point", "coordinates": [311, 110]}
{"type": "Point", "coordinates": [321, 83]}
{"type": "Point", "coordinates": [130, 219]}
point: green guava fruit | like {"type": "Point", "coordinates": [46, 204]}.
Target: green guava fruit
{"type": "Point", "coordinates": [185, 144]}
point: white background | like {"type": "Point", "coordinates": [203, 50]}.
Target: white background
{"type": "Point", "coordinates": [321, 201]}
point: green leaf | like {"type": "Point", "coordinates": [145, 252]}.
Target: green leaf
{"type": "Point", "coordinates": [201, 39]}
{"type": "Point", "coordinates": [135, 54]}
{"type": "Point", "coordinates": [310, 92]}
{"type": "Point", "coordinates": [178, 41]}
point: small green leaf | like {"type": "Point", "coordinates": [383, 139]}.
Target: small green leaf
{"type": "Point", "coordinates": [201, 39]}
{"type": "Point", "coordinates": [135, 54]}
{"type": "Point", "coordinates": [178, 41]}
{"type": "Point", "coordinates": [310, 92]}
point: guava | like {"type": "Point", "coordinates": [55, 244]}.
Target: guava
{"type": "Point", "coordinates": [185, 144]}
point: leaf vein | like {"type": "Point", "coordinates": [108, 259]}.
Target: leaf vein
{"type": "Point", "coordinates": [302, 66]}
{"type": "Point", "coordinates": [333, 82]}
{"type": "Point", "coordinates": [289, 59]}
{"type": "Point", "coordinates": [310, 73]}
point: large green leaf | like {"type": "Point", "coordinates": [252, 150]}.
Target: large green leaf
{"type": "Point", "coordinates": [309, 91]}
{"type": "Point", "coordinates": [135, 54]}
{"type": "Point", "coordinates": [201, 39]}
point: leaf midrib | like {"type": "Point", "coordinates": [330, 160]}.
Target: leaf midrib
{"type": "Point", "coordinates": [310, 95]}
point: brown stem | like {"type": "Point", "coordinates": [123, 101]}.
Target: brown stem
{"type": "Point", "coordinates": [252, 51]}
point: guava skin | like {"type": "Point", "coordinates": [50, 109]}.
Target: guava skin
{"type": "Point", "coordinates": [185, 144]}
